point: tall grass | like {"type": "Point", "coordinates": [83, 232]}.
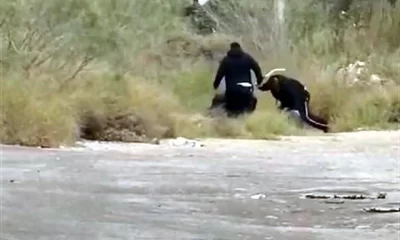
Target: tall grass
{"type": "Point", "coordinates": [135, 70]}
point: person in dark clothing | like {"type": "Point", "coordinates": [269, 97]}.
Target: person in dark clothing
{"type": "Point", "coordinates": [293, 95]}
{"type": "Point", "coordinates": [236, 67]}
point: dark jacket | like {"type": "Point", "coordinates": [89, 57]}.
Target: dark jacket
{"type": "Point", "coordinates": [290, 93]}
{"type": "Point", "coordinates": [236, 67]}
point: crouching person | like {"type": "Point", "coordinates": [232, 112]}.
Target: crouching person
{"type": "Point", "coordinates": [294, 97]}
{"type": "Point", "coordinates": [236, 67]}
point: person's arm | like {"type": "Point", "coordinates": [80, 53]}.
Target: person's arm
{"type": "Point", "coordinates": [220, 74]}
{"type": "Point", "coordinates": [256, 68]}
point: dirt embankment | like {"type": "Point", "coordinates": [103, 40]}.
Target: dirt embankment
{"type": "Point", "coordinates": [126, 128]}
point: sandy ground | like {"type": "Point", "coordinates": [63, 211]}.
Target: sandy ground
{"type": "Point", "coordinates": [225, 190]}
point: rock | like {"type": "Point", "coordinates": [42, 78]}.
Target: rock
{"type": "Point", "coordinates": [258, 196]}
{"type": "Point", "coordinates": [381, 210]}
{"type": "Point", "coordinates": [381, 196]}
{"type": "Point", "coordinates": [338, 198]}
{"type": "Point", "coordinates": [358, 73]}
{"type": "Point", "coordinates": [363, 227]}
{"type": "Point", "coordinates": [375, 79]}
{"type": "Point", "coordinates": [312, 196]}
{"type": "Point", "coordinates": [183, 142]}
{"type": "Point", "coordinates": [239, 190]}
{"type": "Point", "coordinates": [334, 201]}
{"type": "Point", "coordinates": [351, 197]}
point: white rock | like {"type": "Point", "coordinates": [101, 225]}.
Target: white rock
{"type": "Point", "coordinates": [375, 79]}
{"type": "Point", "coordinates": [356, 71]}
{"type": "Point", "coordinates": [258, 196]}
{"type": "Point", "coordinates": [271, 217]}
{"type": "Point", "coordinates": [183, 142]}
{"type": "Point", "coordinates": [360, 63]}
{"type": "Point", "coordinates": [239, 190]}
{"type": "Point", "coordinates": [202, 2]}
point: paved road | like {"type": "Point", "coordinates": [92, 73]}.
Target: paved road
{"type": "Point", "coordinates": [226, 190]}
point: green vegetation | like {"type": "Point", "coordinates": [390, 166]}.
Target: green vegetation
{"type": "Point", "coordinates": [134, 70]}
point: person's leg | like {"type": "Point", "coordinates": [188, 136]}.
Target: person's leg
{"type": "Point", "coordinates": [231, 103]}
{"type": "Point", "coordinates": [253, 104]}
{"type": "Point", "coordinates": [237, 102]}
{"type": "Point", "coordinates": [319, 122]}
{"type": "Point", "coordinates": [246, 102]}
{"type": "Point", "coordinates": [311, 119]}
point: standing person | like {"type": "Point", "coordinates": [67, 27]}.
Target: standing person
{"type": "Point", "coordinates": [236, 67]}
{"type": "Point", "coordinates": [293, 96]}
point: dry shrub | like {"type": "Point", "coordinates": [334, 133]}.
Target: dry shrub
{"type": "Point", "coordinates": [125, 108]}
{"type": "Point", "coordinates": [32, 114]}
{"type": "Point", "coordinates": [268, 124]}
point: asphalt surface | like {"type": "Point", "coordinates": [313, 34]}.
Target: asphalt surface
{"type": "Point", "coordinates": [225, 190]}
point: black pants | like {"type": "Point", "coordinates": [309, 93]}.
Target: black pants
{"type": "Point", "coordinates": [239, 100]}
{"type": "Point", "coordinates": [311, 119]}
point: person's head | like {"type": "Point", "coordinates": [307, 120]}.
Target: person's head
{"type": "Point", "coordinates": [235, 45]}
{"type": "Point", "coordinates": [235, 50]}
{"type": "Point", "coordinates": [271, 84]}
